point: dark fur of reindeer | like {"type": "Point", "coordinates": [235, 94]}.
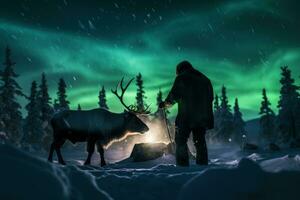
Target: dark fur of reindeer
{"type": "Point", "coordinates": [97, 126]}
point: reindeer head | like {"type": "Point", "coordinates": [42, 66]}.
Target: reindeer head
{"type": "Point", "coordinates": [133, 123]}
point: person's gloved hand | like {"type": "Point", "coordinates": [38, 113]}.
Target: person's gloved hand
{"type": "Point", "coordinates": [162, 105]}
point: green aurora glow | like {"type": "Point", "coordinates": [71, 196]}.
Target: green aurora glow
{"type": "Point", "coordinates": [88, 62]}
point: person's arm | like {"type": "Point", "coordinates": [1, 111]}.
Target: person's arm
{"type": "Point", "coordinates": [174, 95]}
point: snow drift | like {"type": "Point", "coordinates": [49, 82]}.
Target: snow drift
{"type": "Point", "coordinates": [231, 175]}
{"type": "Point", "coordinates": [247, 181]}
{"type": "Point", "coordinates": [27, 177]}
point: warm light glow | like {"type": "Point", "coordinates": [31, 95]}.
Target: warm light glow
{"type": "Point", "coordinates": [150, 138]}
{"type": "Point", "coordinates": [157, 132]}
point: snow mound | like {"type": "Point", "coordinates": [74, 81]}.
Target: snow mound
{"type": "Point", "coordinates": [230, 175]}
{"type": "Point", "coordinates": [254, 157]}
{"type": "Point", "coordinates": [27, 177]}
{"type": "Point", "coordinates": [282, 163]}
{"type": "Point", "coordinates": [247, 181]}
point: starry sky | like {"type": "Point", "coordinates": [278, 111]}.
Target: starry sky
{"type": "Point", "coordinates": [240, 44]}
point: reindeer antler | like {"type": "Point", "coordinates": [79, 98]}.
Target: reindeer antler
{"type": "Point", "coordinates": [131, 108]}
{"type": "Point", "coordinates": [123, 90]}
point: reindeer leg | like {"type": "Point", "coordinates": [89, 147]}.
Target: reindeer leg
{"type": "Point", "coordinates": [101, 152]}
{"type": "Point", "coordinates": [58, 145]}
{"type": "Point", "coordinates": [90, 150]}
{"type": "Point", "coordinates": [50, 157]}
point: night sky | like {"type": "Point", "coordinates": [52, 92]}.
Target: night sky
{"type": "Point", "coordinates": [240, 44]}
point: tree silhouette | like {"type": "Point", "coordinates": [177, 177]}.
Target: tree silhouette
{"type": "Point", "coordinates": [11, 117]}
{"type": "Point", "coordinates": [44, 100]}
{"type": "Point", "coordinates": [140, 95]}
{"type": "Point", "coordinates": [216, 112]}
{"type": "Point", "coordinates": [216, 103]}
{"type": "Point", "coordinates": [46, 111]}
{"type": "Point", "coordinates": [159, 99]}
{"type": "Point", "coordinates": [225, 121]}
{"type": "Point", "coordinates": [33, 131]}
{"type": "Point", "coordinates": [267, 118]}
{"type": "Point", "coordinates": [78, 107]}
{"type": "Point", "coordinates": [61, 103]}
{"type": "Point", "coordinates": [287, 106]}
{"type": "Point", "coordinates": [55, 105]}
{"type": "Point", "coordinates": [214, 133]}
{"type": "Point", "coordinates": [238, 123]}
{"type": "Point", "coordinates": [297, 113]}
{"type": "Point", "coordinates": [102, 98]}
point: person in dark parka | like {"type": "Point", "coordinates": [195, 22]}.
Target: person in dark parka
{"type": "Point", "coordinates": [193, 92]}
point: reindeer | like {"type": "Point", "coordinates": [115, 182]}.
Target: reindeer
{"type": "Point", "coordinates": [96, 126]}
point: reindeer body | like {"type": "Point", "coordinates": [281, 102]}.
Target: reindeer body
{"type": "Point", "coordinates": [94, 126]}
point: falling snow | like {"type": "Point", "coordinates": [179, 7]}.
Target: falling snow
{"type": "Point", "coordinates": [91, 25]}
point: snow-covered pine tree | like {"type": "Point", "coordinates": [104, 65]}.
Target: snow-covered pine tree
{"type": "Point", "coordinates": [225, 122]}
{"type": "Point", "coordinates": [61, 103]}
{"type": "Point", "coordinates": [10, 116]}
{"type": "Point", "coordinates": [78, 107]}
{"type": "Point", "coordinates": [238, 123]}
{"type": "Point", "coordinates": [140, 95]}
{"type": "Point", "coordinates": [267, 119]}
{"type": "Point", "coordinates": [33, 130]}
{"type": "Point", "coordinates": [102, 99]}
{"type": "Point", "coordinates": [287, 106]}
{"type": "Point", "coordinates": [46, 112]}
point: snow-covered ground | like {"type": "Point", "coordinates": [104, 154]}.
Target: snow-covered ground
{"type": "Point", "coordinates": [232, 174]}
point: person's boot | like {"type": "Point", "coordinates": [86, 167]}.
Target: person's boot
{"type": "Point", "coordinates": [182, 157]}
{"type": "Point", "coordinates": [201, 156]}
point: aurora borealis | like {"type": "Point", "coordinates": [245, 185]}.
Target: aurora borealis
{"type": "Point", "coordinates": [240, 44]}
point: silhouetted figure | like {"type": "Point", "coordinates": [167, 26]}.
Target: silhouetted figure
{"type": "Point", "coordinates": [193, 92]}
